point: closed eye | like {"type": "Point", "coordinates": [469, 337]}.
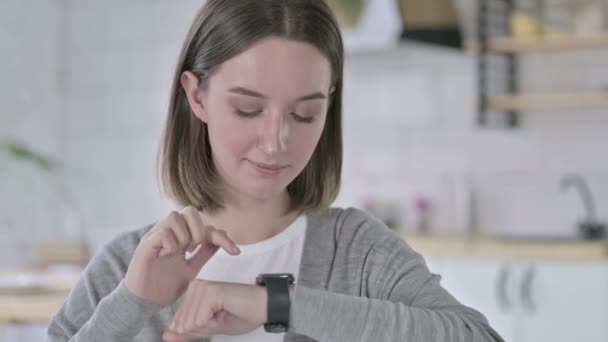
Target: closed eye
{"type": "Point", "coordinates": [253, 114]}
{"type": "Point", "coordinates": [247, 114]}
{"type": "Point", "coordinates": [303, 119]}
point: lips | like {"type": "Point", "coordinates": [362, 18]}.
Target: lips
{"type": "Point", "coordinates": [267, 170]}
{"type": "Point", "coordinates": [270, 167]}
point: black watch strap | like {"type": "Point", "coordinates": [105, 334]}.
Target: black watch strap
{"type": "Point", "coordinates": [279, 302]}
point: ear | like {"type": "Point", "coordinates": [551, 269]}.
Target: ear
{"type": "Point", "coordinates": [190, 83]}
{"type": "Point", "coordinates": [331, 90]}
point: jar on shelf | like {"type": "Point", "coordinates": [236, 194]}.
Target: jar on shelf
{"type": "Point", "coordinates": [525, 19]}
{"type": "Point", "coordinates": [589, 16]}
{"type": "Point", "coordinates": [557, 17]}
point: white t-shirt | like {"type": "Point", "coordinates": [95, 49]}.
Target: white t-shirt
{"type": "Point", "coordinates": [278, 254]}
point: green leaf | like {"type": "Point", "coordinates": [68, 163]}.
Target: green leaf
{"type": "Point", "coordinates": [22, 152]}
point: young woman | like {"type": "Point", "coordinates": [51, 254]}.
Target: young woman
{"type": "Point", "coordinates": [252, 151]}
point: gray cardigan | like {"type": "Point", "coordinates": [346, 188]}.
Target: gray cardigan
{"type": "Point", "coordinates": [358, 281]}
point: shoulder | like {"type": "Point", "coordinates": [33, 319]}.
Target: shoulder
{"type": "Point", "coordinates": [339, 216]}
{"type": "Point", "coordinates": [355, 226]}
{"type": "Point", "coordinates": [356, 242]}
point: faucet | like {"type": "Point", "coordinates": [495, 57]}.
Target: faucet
{"type": "Point", "coordinates": [590, 226]}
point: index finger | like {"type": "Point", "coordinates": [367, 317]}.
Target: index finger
{"type": "Point", "coordinates": [170, 336]}
{"type": "Point", "coordinates": [202, 234]}
{"type": "Point", "coordinates": [220, 238]}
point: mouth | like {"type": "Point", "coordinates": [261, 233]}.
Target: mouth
{"type": "Point", "coordinates": [267, 169]}
{"type": "Point", "coordinates": [269, 166]}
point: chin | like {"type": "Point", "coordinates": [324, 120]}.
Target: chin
{"type": "Point", "coordinates": [264, 192]}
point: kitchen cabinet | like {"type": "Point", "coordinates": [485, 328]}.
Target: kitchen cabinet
{"type": "Point", "coordinates": [529, 300]}
{"type": "Point", "coordinates": [483, 285]}
{"type": "Point", "coordinates": [565, 302]}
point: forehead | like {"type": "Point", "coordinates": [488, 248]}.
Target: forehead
{"type": "Point", "coordinates": [277, 67]}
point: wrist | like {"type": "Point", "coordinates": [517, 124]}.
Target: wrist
{"type": "Point", "coordinates": [262, 304]}
{"type": "Point", "coordinates": [249, 302]}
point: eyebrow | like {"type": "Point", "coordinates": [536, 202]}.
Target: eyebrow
{"type": "Point", "coordinates": [249, 92]}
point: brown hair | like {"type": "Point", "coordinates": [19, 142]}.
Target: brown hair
{"type": "Point", "coordinates": [221, 30]}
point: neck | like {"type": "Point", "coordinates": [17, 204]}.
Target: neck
{"type": "Point", "coordinates": [249, 221]}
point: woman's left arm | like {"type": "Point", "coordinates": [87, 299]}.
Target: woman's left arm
{"type": "Point", "coordinates": [412, 306]}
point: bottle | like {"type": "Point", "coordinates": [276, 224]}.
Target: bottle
{"type": "Point", "coordinates": [422, 209]}
{"type": "Point", "coordinates": [525, 20]}
{"type": "Point", "coordinates": [456, 207]}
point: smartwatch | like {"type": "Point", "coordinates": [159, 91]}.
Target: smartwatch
{"type": "Point", "coordinates": [277, 285]}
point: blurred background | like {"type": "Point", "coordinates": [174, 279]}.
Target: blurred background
{"type": "Point", "coordinates": [475, 130]}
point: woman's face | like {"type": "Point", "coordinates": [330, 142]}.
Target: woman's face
{"type": "Point", "coordinates": [265, 110]}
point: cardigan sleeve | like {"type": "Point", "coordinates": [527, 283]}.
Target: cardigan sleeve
{"type": "Point", "coordinates": [100, 307]}
{"type": "Point", "coordinates": [411, 305]}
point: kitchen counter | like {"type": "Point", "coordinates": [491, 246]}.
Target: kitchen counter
{"type": "Point", "coordinates": [38, 307]}
{"type": "Point", "coordinates": [566, 250]}
{"type": "Point", "coordinates": [34, 303]}
{"type": "Point", "coordinates": [29, 309]}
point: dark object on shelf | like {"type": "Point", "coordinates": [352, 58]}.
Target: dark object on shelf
{"type": "Point", "coordinates": [430, 21]}
{"type": "Point", "coordinates": [450, 37]}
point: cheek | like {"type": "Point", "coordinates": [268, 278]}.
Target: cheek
{"type": "Point", "coordinates": [304, 142]}
{"type": "Point", "coordinates": [229, 136]}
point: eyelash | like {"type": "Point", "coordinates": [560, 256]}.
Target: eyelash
{"type": "Point", "coordinates": [253, 114]}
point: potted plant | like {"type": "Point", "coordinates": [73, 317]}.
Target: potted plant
{"type": "Point", "coordinates": [59, 249]}
{"type": "Point", "coordinates": [19, 151]}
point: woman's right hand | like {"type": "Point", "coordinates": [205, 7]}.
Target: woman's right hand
{"type": "Point", "coordinates": [159, 272]}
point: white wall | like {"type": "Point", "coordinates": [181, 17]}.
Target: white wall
{"type": "Point", "coordinates": [31, 50]}
{"type": "Point", "coordinates": [30, 106]}
{"type": "Point", "coordinates": [121, 56]}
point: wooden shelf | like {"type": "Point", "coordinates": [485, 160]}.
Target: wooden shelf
{"type": "Point", "coordinates": [505, 103]}
{"type": "Point", "coordinates": [562, 42]}
{"type": "Point", "coordinates": [487, 247]}
{"type": "Point", "coordinates": [551, 43]}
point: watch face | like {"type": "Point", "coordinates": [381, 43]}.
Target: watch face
{"type": "Point", "coordinates": [260, 278]}
{"type": "Point", "coordinates": [275, 328]}
{"type": "Point", "coordinates": [278, 330]}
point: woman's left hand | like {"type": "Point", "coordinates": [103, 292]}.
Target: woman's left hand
{"type": "Point", "coordinates": [211, 308]}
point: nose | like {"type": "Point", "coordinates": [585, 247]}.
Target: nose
{"type": "Point", "coordinates": [273, 134]}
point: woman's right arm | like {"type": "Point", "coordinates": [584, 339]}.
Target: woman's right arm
{"type": "Point", "coordinates": [100, 307]}
{"type": "Point", "coordinates": [135, 276]}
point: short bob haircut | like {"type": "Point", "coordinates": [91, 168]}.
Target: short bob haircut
{"type": "Point", "coordinates": [221, 30]}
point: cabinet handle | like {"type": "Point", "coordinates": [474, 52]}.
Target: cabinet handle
{"type": "Point", "coordinates": [526, 289]}
{"type": "Point", "coordinates": [501, 288]}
